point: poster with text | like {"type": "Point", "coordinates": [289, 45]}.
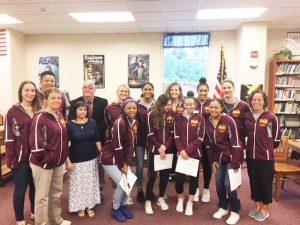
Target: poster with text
{"type": "Point", "coordinates": [94, 69]}
{"type": "Point", "coordinates": [247, 89]}
{"type": "Point", "coordinates": [138, 70]}
{"type": "Point", "coordinates": [293, 43]}
{"type": "Point", "coordinates": [49, 63]}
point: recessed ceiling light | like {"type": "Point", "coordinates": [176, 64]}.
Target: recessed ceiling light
{"type": "Point", "coordinates": [103, 17]}
{"type": "Point", "coordinates": [238, 13]}
{"type": "Point", "coordinates": [6, 19]}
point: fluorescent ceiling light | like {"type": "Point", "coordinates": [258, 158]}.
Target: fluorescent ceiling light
{"type": "Point", "coordinates": [6, 19]}
{"type": "Point", "coordinates": [238, 13]}
{"type": "Point", "coordinates": [103, 17]}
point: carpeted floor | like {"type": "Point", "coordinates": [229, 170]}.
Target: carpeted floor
{"type": "Point", "coordinates": [285, 212]}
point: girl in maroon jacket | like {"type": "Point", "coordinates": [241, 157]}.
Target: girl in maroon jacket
{"type": "Point", "coordinates": [17, 126]}
{"type": "Point", "coordinates": [225, 152]}
{"type": "Point", "coordinates": [188, 135]}
{"type": "Point", "coordinates": [264, 134]}
{"type": "Point", "coordinates": [160, 139]}
{"type": "Point", "coordinates": [114, 110]}
{"type": "Point", "coordinates": [174, 90]}
{"type": "Point", "coordinates": [234, 107]}
{"type": "Point", "coordinates": [203, 103]}
{"type": "Point", "coordinates": [145, 104]}
{"type": "Point", "coordinates": [117, 154]}
{"type": "Point", "coordinates": [48, 141]}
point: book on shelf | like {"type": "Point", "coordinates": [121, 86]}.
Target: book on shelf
{"type": "Point", "coordinates": [287, 132]}
{"type": "Point", "coordinates": [286, 108]}
{"type": "Point", "coordinates": [288, 68]}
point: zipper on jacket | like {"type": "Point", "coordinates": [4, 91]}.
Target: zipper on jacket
{"type": "Point", "coordinates": [164, 133]}
{"type": "Point", "coordinates": [21, 152]}
{"type": "Point", "coordinates": [220, 157]}
{"type": "Point", "coordinates": [268, 156]}
{"type": "Point", "coordinates": [61, 142]}
{"type": "Point", "coordinates": [254, 140]}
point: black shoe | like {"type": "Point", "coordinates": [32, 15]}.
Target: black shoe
{"type": "Point", "coordinates": [140, 196]}
{"type": "Point", "coordinates": [152, 197]}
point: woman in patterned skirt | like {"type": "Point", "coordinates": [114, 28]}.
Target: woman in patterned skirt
{"type": "Point", "coordinates": [84, 191]}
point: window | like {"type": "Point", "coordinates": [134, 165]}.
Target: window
{"type": "Point", "coordinates": [185, 59]}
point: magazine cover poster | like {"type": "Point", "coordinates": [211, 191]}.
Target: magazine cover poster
{"type": "Point", "coordinates": [138, 70]}
{"type": "Point", "coordinates": [49, 63]}
{"type": "Point", "coordinates": [247, 89]}
{"type": "Point", "coordinates": [94, 69]}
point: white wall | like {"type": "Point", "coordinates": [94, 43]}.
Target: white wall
{"type": "Point", "coordinates": [18, 61]}
{"type": "Point", "coordinates": [115, 47]}
{"type": "Point", "coordinates": [71, 48]}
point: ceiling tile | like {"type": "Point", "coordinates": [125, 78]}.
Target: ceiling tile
{"type": "Point", "coordinates": [183, 5]}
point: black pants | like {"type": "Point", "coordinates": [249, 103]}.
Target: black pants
{"type": "Point", "coordinates": [261, 175]}
{"type": "Point", "coordinates": [22, 176]}
{"type": "Point", "coordinates": [163, 182]}
{"type": "Point", "coordinates": [206, 169]}
{"type": "Point", "coordinates": [179, 182]}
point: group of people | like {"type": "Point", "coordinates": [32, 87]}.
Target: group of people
{"type": "Point", "coordinates": [97, 137]}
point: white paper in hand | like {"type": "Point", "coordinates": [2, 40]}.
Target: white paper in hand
{"type": "Point", "coordinates": [163, 164]}
{"type": "Point", "coordinates": [189, 167]}
{"type": "Point", "coordinates": [127, 181]}
{"type": "Point", "coordinates": [235, 179]}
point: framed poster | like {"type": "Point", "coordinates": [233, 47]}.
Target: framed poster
{"type": "Point", "coordinates": [247, 89]}
{"type": "Point", "coordinates": [293, 43]}
{"type": "Point", "coordinates": [49, 63]}
{"type": "Point", "coordinates": [93, 66]}
{"type": "Point", "coordinates": [138, 70]}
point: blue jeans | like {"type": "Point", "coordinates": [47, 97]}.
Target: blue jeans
{"type": "Point", "coordinates": [223, 189]}
{"type": "Point", "coordinates": [120, 197]}
{"type": "Point", "coordinates": [22, 177]}
{"type": "Point", "coordinates": [140, 153]}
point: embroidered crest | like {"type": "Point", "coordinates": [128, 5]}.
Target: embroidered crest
{"type": "Point", "coordinates": [207, 109]}
{"type": "Point", "coordinates": [15, 127]}
{"type": "Point", "coordinates": [222, 128]}
{"type": "Point", "coordinates": [194, 123]}
{"type": "Point", "coordinates": [263, 122]}
{"type": "Point", "coordinates": [169, 119]}
{"type": "Point", "coordinates": [63, 122]}
{"type": "Point", "coordinates": [236, 112]}
{"type": "Point", "coordinates": [180, 109]}
{"type": "Point", "coordinates": [134, 128]}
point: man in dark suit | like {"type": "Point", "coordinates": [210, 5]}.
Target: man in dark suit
{"type": "Point", "coordinates": [95, 107]}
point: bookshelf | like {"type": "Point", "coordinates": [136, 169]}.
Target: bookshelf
{"type": "Point", "coordinates": [284, 94]}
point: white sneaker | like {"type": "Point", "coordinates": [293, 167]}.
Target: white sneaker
{"type": "Point", "coordinates": [189, 209]}
{"type": "Point", "coordinates": [66, 222]}
{"type": "Point", "coordinates": [163, 205]}
{"type": "Point", "coordinates": [196, 197]}
{"type": "Point", "coordinates": [233, 218]}
{"type": "Point", "coordinates": [129, 201]}
{"type": "Point", "coordinates": [220, 213]}
{"type": "Point", "coordinates": [205, 195]}
{"type": "Point", "coordinates": [148, 208]}
{"type": "Point", "coordinates": [179, 206]}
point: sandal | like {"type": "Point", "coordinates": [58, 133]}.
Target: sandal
{"type": "Point", "coordinates": [81, 213]}
{"type": "Point", "coordinates": [32, 216]}
{"type": "Point", "coordinates": [90, 212]}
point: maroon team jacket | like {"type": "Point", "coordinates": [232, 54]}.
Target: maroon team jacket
{"type": "Point", "coordinates": [189, 134]}
{"type": "Point", "coordinates": [222, 142]}
{"type": "Point", "coordinates": [48, 140]}
{"type": "Point", "coordinates": [263, 135]}
{"type": "Point", "coordinates": [238, 114]}
{"type": "Point", "coordinates": [163, 136]}
{"type": "Point", "coordinates": [62, 108]}
{"type": "Point", "coordinates": [204, 108]}
{"type": "Point", "coordinates": [142, 120]}
{"type": "Point", "coordinates": [111, 113]}
{"type": "Point", "coordinates": [16, 138]}
{"type": "Point", "coordinates": [120, 150]}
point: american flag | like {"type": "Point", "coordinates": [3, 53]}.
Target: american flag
{"type": "Point", "coordinates": [3, 47]}
{"type": "Point", "coordinates": [222, 75]}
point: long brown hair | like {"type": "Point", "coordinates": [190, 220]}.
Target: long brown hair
{"type": "Point", "coordinates": [172, 85]}
{"type": "Point", "coordinates": [36, 106]}
{"type": "Point", "coordinates": [158, 109]}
